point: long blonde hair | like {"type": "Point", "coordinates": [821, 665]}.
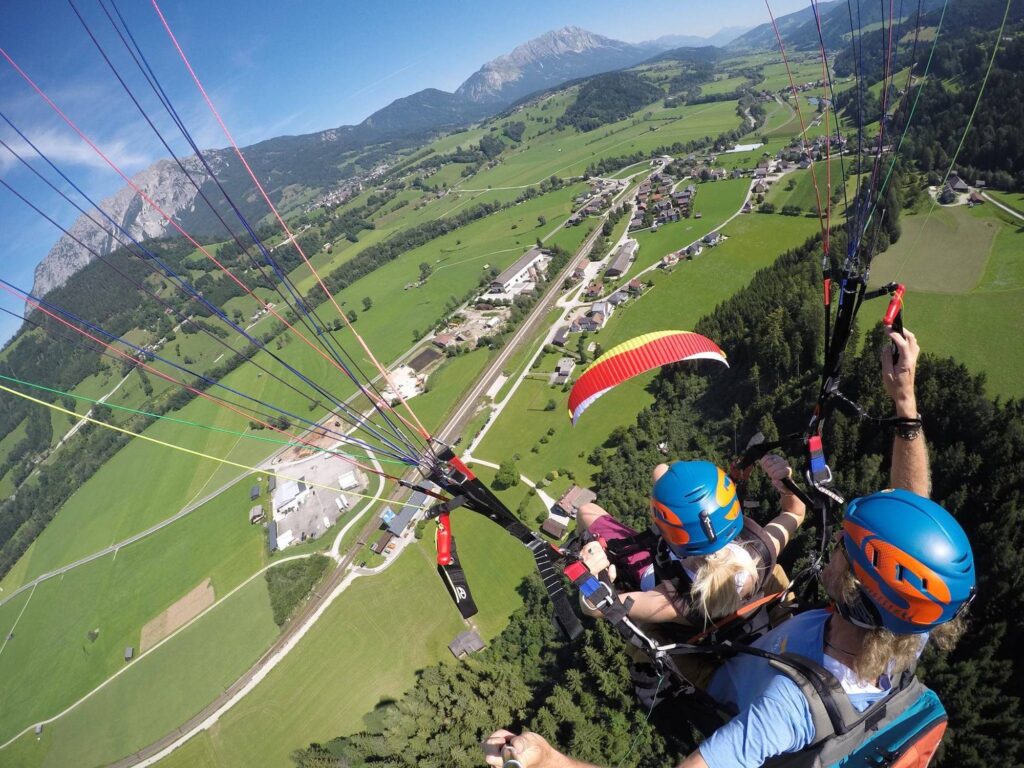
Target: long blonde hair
{"type": "Point", "coordinates": [714, 592]}
{"type": "Point", "coordinates": [882, 651]}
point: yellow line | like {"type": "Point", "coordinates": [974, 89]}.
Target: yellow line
{"type": "Point", "coordinates": [149, 439]}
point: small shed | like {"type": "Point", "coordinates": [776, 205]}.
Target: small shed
{"type": "Point", "coordinates": [555, 527]}
{"type": "Point", "coordinates": [382, 542]}
{"type": "Point", "coordinates": [465, 643]}
{"type": "Point", "coordinates": [271, 483]}
{"type": "Point", "coordinates": [129, 653]}
{"type": "Point", "coordinates": [256, 514]}
{"type": "Point", "coordinates": [272, 536]}
{"type": "Point", "coordinates": [254, 492]}
{"type": "Point", "coordinates": [39, 729]}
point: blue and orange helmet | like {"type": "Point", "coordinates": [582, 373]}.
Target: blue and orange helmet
{"type": "Point", "coordinates": [695, 508]}
{"type": "Point", "coordinates": [911, 559]}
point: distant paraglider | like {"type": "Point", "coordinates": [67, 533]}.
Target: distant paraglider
{"type": "Point", "coordinates": [636, 356]}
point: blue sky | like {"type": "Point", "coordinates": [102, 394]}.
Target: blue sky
{"type": "Point", "coordinates": [288, 67]}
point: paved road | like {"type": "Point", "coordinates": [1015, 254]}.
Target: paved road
{"type": "Point", "coordinates": [1006, 208]}
{"type": "Point", "coordinates": [114, 547]}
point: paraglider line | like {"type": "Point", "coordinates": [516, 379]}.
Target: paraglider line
{"type": "Point", "coordinates": [281, 221]}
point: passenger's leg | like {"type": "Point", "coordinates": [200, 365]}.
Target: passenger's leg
{"type": "Point", "coordinates": [587, 514]}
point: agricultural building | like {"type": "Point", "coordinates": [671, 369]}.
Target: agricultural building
{"type": "Point", "coordinates": [527, 267]}
{"type": "Point", "coordinates": [621, 260]}
{"type": "Point", "coordinates": [398, 523]}
{"type": "Point", "coordinates": [465, 643]}
{"type": "Point", "coordinates": [382, 542]}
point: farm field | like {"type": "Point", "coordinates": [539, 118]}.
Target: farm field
{"type": "Point", "coordinates": [803, 195]}
{"type": "Point", "coordinates": [186, 673]}
{"type": "Point", "coordinates": [51, 661]}
{"type": "Point", "coordinates": [965, 278]}
{"type": "Point", "coordinates": [1013, 200]}
{"type": "Point", "coordinates": [97, 523]}
{"type": "Point", "coordinates": [337, 675]}
{"type": "Point", "coordinates": [566, 153]}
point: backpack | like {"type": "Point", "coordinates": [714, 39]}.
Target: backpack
{"type": "Point", "coordinates": [903, 730]}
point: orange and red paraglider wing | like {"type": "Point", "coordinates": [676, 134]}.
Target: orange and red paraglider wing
{"type": "Point", "coordinates": [636, 356]}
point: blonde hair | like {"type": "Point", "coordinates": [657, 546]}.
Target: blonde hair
{"type": "Point", "coordinates": [714, 592]}
{"type": "Point", "coordinates": [882, 651]}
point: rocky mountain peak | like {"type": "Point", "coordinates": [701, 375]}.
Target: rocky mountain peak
{"type": "Point", "coordinates": [554, 57]}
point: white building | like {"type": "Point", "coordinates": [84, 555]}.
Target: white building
{"type": "Point", "coordinates": [529, 267]}
{"type": "Point", "coordinates": [288, 496]}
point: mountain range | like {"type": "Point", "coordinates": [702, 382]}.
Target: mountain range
{"type": "Point", "coordinates": [323, 159]}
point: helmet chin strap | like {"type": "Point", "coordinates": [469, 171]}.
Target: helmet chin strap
{"type": "Point", "coordinates": [860, 612]}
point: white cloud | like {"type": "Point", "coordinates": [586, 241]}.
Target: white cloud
{"type": "Point", "coordinates": [66, 148]}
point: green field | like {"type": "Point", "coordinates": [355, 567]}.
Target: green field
{"type": "Point", "coordinates": [364, 650]}
{"type": "Point", "coordinates": [150, 570]}
{"type": "Point", "coordinates": [810, 187]}
{"type": "Point", "coordinates": [89, 521]}
{"type": "Point", "coordinates": [50, 662]}
{"type": "Point", "coordinates": [677, 301]}
{"type": "Point", "coordinates": [715, 200]}
{"type": "Point", "coordinates": [964, 272]}
{"type": "Point", "coordinates": [159, 691]}
{"type": "Point", "coordinates": [566, 153]}
{"type": "Point", "coordinates": [1014, 200]}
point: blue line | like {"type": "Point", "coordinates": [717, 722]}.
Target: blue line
{"type": "Point", "coordinates": [154, 82]}
{"type": "Point", "coordinates": [183, 285]}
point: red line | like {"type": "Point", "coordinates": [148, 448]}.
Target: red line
{"type": "Point", "coordinates": [135, 361]}
{"type": "Point", "coordinates": [799, 112]}
{"type": "Point", "coordinates": [71, 124]}
{"type": "Point", "coordinates": [281, 221]}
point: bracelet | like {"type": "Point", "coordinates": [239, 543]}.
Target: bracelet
{"type": "Point", "coordinates": [909, 429]}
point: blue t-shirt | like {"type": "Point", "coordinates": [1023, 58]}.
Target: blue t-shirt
{"type": "Point", "coordinates": [774, 717]}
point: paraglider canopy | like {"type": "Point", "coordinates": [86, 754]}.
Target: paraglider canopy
{"type": "Point", "coordinates": [636, 356]}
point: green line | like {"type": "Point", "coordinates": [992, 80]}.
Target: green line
{"type": "Point", "coordinates": [910, 119]}
{"type": "Point", "coordinates": [174, 420]}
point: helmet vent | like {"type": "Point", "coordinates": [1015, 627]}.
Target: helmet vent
{"type": "Point", "coordinates": [874, 557]}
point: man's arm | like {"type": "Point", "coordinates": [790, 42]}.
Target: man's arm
{"type": "Point", "coordinates": [530, 750]}
{"type": "Point", "coordinates": [909, 454]}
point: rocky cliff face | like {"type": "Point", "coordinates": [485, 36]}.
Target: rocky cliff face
{"type": "Point", "coordinates": [548, 60]}
{"type": "Point", "coordinates": [163, 182]}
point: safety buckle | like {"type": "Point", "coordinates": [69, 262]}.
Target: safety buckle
{"type": "Point", "coordinates": [819, 472]}
{"type": "Point", "coordinates": [596, 592]}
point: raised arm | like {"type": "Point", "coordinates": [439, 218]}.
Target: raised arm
{"type": "Point", "coordinates": [909, 451]}
{"type": "Point", "coordinates": [784, 526]}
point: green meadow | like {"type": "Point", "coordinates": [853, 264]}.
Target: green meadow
{"type": "Point", "coordinates": [51, 661]}
{"type": "Point", "coordinates": [964, 272]}
{"type": "Point", "coordinates": [365, 650]}
{"type": "Point", "coordinates": [159, 691]}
